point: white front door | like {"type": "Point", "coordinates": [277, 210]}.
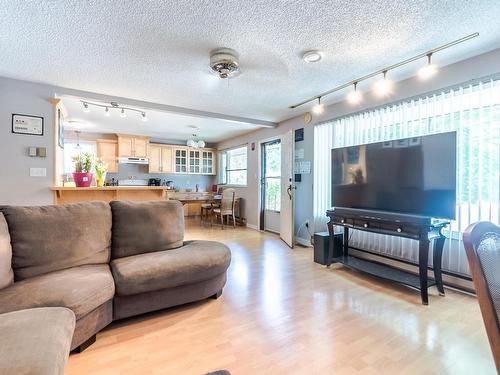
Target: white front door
{"type": "Point", "coordinates": [287, 188]}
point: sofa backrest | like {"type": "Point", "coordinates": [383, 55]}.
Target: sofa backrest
{"type": "Point", "coordinates": [51, 238]}
{"type": "Point", "coordinates": [144, 227]}
{"type": "Point", "coordinates": [6, 274]}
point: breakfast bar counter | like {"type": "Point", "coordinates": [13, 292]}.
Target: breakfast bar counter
{"type": "Point", "coordinates": [67, 194]}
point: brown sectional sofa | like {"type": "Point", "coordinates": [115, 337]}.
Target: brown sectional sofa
{"type": "Point", "coordinates": [104, 261]}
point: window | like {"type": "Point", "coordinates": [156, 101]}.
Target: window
{"type": "Point", "coordinates": [472, 110]}
{"type": "Point", "coordinates": [233, 166]}
{"type": "Point", "coordinates": [70, 150]}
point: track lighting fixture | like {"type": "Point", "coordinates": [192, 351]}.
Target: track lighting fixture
{"type": "Point", "coordinates": [355, 97]}
{"type": "Point", "coordinates": [108, 107]}
{"type": "Point", "coordinates": [319, 108]}
{"type": "Point", "coordinates": [429, 70]}
{"type": "Point", "coordinates": [384, 86]}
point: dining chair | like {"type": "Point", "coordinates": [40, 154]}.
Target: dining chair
{"type": "Point", "coordinates": [482, 245]}
{"type": "Point", "coordinates": [206, 210]}
{"type": "Point", "coordinates": [226, 207]}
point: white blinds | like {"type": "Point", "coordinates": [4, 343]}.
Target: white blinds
{"type": "Point", "coordinates": [472, 110]}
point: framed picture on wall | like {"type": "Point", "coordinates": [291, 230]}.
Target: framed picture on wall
{"type": "Point", "coordinates": [27, 124]}
{"type": "Point", "coordinates": [61, 129]}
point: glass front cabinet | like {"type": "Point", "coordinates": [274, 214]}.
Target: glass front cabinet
{"type": "Point", "coordinates": [194, 161]}
{"type": "Point", "coordinates": [181, 160]}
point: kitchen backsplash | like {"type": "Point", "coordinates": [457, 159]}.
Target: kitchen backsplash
{"type": "Point", "coordinates": [181, 181]}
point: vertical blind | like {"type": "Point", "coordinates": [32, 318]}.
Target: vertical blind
{"type": "Point", "coordinates": [473, 111]}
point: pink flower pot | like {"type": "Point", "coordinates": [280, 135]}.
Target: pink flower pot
{"type": "Point", "coordinates": [82, 179]}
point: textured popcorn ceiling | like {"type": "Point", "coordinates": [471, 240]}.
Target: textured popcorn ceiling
{"type": "Point", "coordinates": [158, 50]}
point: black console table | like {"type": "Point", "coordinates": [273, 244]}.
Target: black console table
{"type": "Point", "coordinates": [422, 229]}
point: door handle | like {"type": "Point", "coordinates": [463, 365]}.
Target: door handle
{"type": "Point", "coordinates": [289, 191]}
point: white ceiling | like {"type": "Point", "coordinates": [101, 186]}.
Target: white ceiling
{"type": "Point", "coordinates": [158, 51]}
{"type": "Point", "coordinates": [164, 125]}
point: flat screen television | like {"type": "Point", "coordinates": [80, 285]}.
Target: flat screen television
{"type": "Point", "coordinates": [415, 176]}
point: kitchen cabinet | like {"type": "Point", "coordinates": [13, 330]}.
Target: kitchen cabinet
{"type": "Point", "coordinates": [107, 150]}
{"type": "Point", "coordinates": [131, 145]}
{"type": "Point", "coordinates": [194, 161]}
{"type": "Point", "coordinates": [207, 161]}
{"type": "Point", "coordinates": [180, 159]}
{"type": "Point", "coordinates": [160, 158]}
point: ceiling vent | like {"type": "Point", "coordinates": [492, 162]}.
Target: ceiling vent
{"type": "Point", "coordinates": [224, 62]}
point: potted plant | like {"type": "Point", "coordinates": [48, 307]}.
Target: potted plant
{"type": "Point", "coordinates": [83, 166]}
{"type": "Point", "coordinates": [101, 167]}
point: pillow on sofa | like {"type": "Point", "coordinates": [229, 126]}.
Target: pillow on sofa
{"type": "Point", "coordinates": [144, 227]}
{"type": "Point", "coordinates": [51, 238]}
{"type": "Point", "coordinates": [6, 274]}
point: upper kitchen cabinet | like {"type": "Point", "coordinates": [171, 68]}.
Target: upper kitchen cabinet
{"type": "Point", "coordinates": [180, 159]}
{"type": "Point", "coordinates": [207, 161]}
{"type": "Point", "coordinates": [131, 145]}
{"type": "Point", "coordinates": [194, 161]}
{"type": "Point", "coordinates": [160, 158]}
{"type": "Point", "coordinates": [107, 150]}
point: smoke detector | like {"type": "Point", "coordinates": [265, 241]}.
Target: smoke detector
{"type": "Point", "coordinates": [224, 62]}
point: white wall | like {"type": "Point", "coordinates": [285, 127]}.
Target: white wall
{"type": "Point", "coordinates": [476, 67]}
{"type": "Point", "coordinates": [16, 186]}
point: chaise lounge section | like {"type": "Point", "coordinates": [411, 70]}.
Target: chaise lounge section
{"type": "Point", "coordinates": [157, 269]}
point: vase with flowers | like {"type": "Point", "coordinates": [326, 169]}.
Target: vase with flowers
{"type": "Point", "coordinates": [101, 168]}
{"type": "Point", "coordinates": [83, 167]}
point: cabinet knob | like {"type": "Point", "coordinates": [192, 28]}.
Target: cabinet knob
{"type": "Point", "coordinates": [399, 230]}
{"type": "Point", "coordinates": [365, 225]}
{"type": "Point", "coordinates": [342, 220]}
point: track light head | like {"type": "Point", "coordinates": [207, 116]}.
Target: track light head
{"type": "Point", "coordinates": [355, 97]}
{"type": "Point", "coordinates": [318, 108]}
{"type": "Point", "coordinates": [86, 108]}
{"type": "Point", "coordinates": [429, 70]}
{"type": "Point", "coordinates": [144, 117]}
{"type": "Point", "coordinates": [106, 112]}
{"type": "Point", "coordinates": [383, 87]}
{"type": "Point", "coordinates": [122, 113]}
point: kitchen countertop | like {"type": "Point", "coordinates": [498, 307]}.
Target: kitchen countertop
{"type": "Point", "coordinates": [59, 188]}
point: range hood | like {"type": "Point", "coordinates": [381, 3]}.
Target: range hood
{"type": "Point", "coordinates": [133, 160]}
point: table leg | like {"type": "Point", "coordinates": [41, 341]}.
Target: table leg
{"type": "Point", "coordinates": [437, 260]}
{"type": "Point", "coordinates": [423, 261]}
{"type": "Point", "coordinates": [346, 242]}
{"type": "Point", "coordinates": [330, 244]}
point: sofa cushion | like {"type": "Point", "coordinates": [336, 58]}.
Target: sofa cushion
{"type": "Point", "coordinates": [6, 274]}
{"type": "Point", "coordinates": [51, 238]}
{"type": "Point", "coordinates": [194, 262]}
{"type": "Point", "coordinates": [81, 289]}
{"type": "Point", "coordinates": [35, 341]}
{"type": "Point", "coordinates": [144, 227]}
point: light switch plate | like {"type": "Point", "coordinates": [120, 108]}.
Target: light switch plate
{"type": "Point", "coordinates": [38, 172]}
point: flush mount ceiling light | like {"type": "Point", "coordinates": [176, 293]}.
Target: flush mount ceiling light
{"type": "Point", "coordinates": [312, 56]}
{"type": "Point", "coordinates": [384, 86]}
{"type": "Point", "coordinates": [112, 106]}
{"type": "Point", "coordinates": [428, 70]}
{"type": "Point", "coordinates": [225, 62]}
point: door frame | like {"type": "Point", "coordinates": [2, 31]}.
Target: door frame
{"type": "Point", "coordinates": [260, 176]}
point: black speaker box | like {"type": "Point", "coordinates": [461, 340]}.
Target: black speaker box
{"type": "Point", "coordinates": [321, 242]}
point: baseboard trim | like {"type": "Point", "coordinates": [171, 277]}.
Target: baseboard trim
{"type": "Point", "coordinates": [251, 226]}
{"type": "Point", "coordinates": [303, 242]}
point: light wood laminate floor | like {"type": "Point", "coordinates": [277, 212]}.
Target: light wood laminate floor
{"type": "Point", "coordinates": [280, 313]}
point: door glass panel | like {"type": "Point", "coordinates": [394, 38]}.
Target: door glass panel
{"type": "Point", "coordinates": [272, 177]}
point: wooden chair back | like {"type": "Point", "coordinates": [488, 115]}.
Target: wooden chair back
{"type": "Point", "coordinates": [227, 201]}
{"type": "Point", "coordinates": [482, 245]}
